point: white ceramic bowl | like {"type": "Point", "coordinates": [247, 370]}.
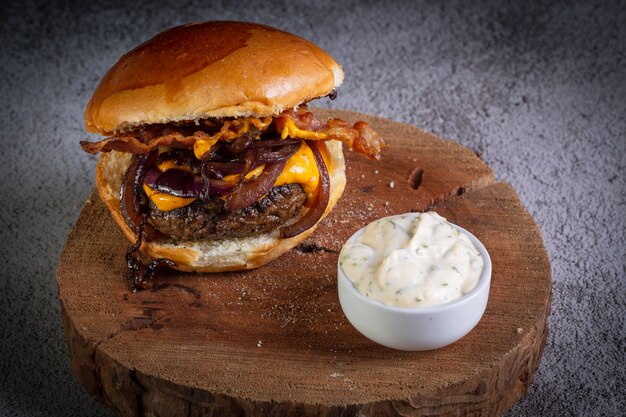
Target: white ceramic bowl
{"type": "Point", "coordinates": [416, 329]}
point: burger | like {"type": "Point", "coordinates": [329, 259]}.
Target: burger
{"type": "Point", "coordinates": [211, 160]}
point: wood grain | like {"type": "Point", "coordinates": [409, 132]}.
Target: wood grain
{"type": "Point", "coordinates": [274, 341]}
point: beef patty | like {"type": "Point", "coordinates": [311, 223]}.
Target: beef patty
{"type": "Point", "coordinates": [209, 219]}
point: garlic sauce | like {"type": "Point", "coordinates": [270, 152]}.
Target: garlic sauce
{"type": "Point", "coordinates": [412, 260]}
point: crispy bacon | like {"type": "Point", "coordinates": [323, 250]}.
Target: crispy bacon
{"type": "Point", "coordinates": [135, 145]}
{"type": "Point", "coordinates": [178, 136]}
{"type": "Point", "coordinates": [360, 138]}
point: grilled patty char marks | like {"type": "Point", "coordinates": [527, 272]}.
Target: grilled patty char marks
{"type": "Point", "coordinates": [210, 220]}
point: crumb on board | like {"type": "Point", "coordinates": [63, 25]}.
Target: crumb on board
{"type": "Point", "coordinates": [392, 184]}
{"type": "Point", "coordinates": [519, 330]}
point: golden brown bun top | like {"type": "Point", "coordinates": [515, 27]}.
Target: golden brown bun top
{"type": "Point", "coordinates": [212, 69]}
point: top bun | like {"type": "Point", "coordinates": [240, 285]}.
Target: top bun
{"type": "Point", "coordinates": [212, 69]}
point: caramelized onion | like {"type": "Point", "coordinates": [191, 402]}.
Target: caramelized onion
{"type": "Point", "coordinates": [267, 155]}
{"type": "Point", "coordinates": [174, 182]}
{"type": "Point", "coordinates": [215, 188]}
{"type": "Point", "coordinates": [224, 168]}
{"type": "Point", "coordinates": [182, 157]}
{"type": "Point", "coordinates": [151, 177]}
{"type": "Point", "coordinates": [141, 276]}
{"type": "Point", "coordinates": [274, 142]}
{"type": "Point", "coordinates": [132, 202]}
{"type": "Point", "coordinates": [248, 192]}
{"type": "Point", "coordinates": [237, 146]}
{"type": "Point", "coordinates": [317, 209]}
{"type": "Point", "coordinates": [133, 207]}
{"type": "Point", "coordinates": [249, 159]}
{"type": "Point", "coordinates": [127, 199]}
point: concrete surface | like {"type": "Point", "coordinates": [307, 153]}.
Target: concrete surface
{"type": "Point", "coordinates": [539, 89]}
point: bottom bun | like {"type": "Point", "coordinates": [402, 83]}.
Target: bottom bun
{"type": "Point", "coordinates": [214, 255]}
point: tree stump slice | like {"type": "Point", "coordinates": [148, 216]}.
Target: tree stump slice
{"type": "Point", "coordinates": [274, 341]}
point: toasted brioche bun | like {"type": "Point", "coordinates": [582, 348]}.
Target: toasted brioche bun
{"type": "Point", "coordinates": [211, 255]}
{"type": "Point", "coordinates": [212, 69]}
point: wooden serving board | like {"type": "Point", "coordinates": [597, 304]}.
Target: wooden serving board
{"type": "Point", "coordinates": [274, 341]}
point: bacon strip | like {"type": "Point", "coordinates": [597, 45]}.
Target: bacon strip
{"type": "Point", "coordinates": [360, 138]}
{"type": "Point", "coordinates": [133, 144]}
{"type": "Point", "coordinates": [152, 137]}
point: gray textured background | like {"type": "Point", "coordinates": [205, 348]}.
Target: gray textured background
{"type": "Point", "coordinates": [539, 90]}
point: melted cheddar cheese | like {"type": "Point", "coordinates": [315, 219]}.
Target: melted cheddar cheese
{"type": "Point", "coordinates": [301, 169]}
{"type": "Point", "coordinates": [290, 129]}
{"type": "Point", "coordinates": [202, 146]}
{"type": "Point", "coordinates": [166, 202]}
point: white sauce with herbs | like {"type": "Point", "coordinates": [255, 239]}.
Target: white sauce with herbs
{"type": "Point", "coordinates": [412, 260]}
